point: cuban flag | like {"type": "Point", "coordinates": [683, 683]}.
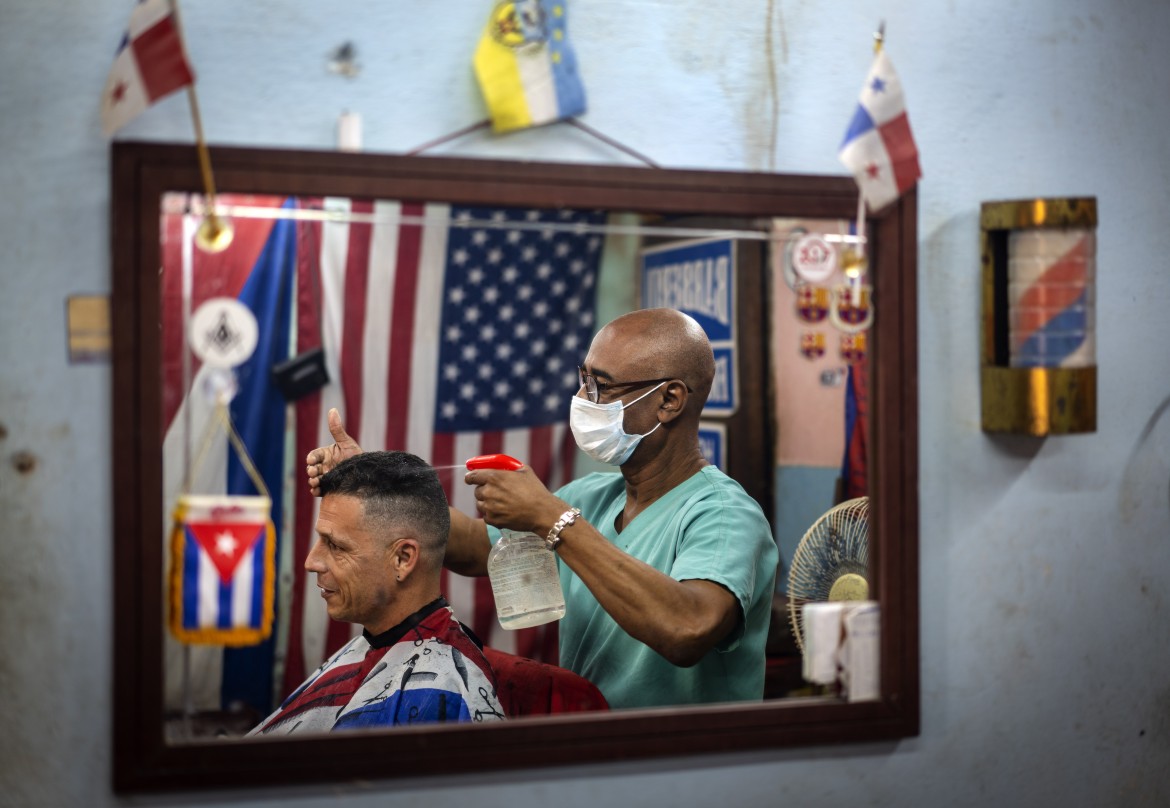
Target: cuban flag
{"type": "Point", "coordinates": [879, 149]}
{"type": "Point", "coordinates": [525, 66]}
{"type": "Point", "coordinates": [151, 63]}
{"type": "Point", "coordinates": [223, 555]}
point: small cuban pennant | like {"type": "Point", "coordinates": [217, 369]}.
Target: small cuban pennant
{"type": "Point", "coordinates": [223, 554]}
{"type": "Point", "coordinates": [223, 569]}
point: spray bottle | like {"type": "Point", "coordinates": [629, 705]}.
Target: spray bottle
{"type": "Point", "coordinates": [523, 571]}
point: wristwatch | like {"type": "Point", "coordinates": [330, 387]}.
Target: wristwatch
{"type": "Point", "coordinates": [554, 536]}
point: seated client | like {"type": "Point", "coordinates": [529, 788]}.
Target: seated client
{"type": "Point", "coordinates": [382, 532]}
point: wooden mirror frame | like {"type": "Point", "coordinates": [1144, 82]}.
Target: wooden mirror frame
{"type": "Point", "coordinates": [143, 761]}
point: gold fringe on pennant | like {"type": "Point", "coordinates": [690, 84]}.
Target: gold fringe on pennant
{"type": "Point", "coordinates": [235, 636]}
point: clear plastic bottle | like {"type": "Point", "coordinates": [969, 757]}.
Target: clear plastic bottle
{"type": "Point", "coordinates": [525, 581]}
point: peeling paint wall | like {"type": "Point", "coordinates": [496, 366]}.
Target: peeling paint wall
{"type": "Point", "coordinates": [1045, 636]}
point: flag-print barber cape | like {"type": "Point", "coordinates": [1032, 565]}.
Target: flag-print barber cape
{"type": "Point", "coordinates": [426, 669]}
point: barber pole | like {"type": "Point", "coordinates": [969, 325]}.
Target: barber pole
{"type": "Point", "coordinates": [1051, 277]}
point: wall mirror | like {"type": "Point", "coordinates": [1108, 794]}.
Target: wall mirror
{"type": "Point", "coordinates": [608, 217]}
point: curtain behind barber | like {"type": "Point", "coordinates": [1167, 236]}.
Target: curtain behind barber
{"type": "Point", "coordinates": [669, 569]}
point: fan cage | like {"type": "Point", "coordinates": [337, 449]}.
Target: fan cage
{"type": "Point", "coordinates": [837, 544]}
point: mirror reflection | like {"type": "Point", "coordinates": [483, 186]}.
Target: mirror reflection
{"type": "Point", "coordinates": [453, 332]}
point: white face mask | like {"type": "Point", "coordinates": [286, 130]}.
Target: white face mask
{"type": "Point", "coordinates": [600, 429]}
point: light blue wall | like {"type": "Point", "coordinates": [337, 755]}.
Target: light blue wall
{"type": "Point", "coordinates": [1045, 639]}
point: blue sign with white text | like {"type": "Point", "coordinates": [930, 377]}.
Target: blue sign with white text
{"type": "Point", "coordinates": [723, 394]}
{"type": "Point", "coordinates": [713, 444]}
{"type": "Point", "coordinates": [696, 277]}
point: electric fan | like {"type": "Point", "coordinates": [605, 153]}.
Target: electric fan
{"type": "Point", "coordinates": [831, 561]}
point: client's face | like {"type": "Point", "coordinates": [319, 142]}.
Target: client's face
{"type": "Point", "coordinates": [353, 565]}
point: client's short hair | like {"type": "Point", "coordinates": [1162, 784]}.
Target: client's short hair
{"type": "Point", "coordinates": [397, 490]}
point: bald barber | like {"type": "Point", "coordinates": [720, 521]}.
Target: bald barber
{"type": "Point", "coordinates": [667, 564]}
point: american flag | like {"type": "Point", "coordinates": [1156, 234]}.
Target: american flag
{"type": "Point", "coordinates": [449, 332]}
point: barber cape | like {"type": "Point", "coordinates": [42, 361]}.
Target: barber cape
{"type": "Point", "coordinates": [425, 669]}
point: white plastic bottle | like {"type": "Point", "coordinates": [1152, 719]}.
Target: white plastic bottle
{"type": "Point", "coordinates": [525, 581]}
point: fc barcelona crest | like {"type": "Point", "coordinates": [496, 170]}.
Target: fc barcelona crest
{"type": "Point", "coordinates": [853, 347]}
{"type": "Point", "coordinates": [852, 310]}
{"type": "Point", "coordinates": [812, 344]}
{"type": "Point", "coordinates": [812, 303]}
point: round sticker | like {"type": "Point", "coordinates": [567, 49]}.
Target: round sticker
{"type": "Point", "coordinates": [813, 258]}
{"type": "Point", "coordinates": [223, 332]}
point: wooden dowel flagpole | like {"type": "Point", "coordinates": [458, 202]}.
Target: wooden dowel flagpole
{"type": "Point", "coordinates": [855, 272]}
{"type": "Point", "coordinates": [213, 235]}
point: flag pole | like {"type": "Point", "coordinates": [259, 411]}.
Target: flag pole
{"type": "Point", "coordinates": [214, 234]}
{"type": "Point", "coordinates": [855, 269]}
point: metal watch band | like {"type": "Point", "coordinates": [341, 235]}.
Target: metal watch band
{"type": "Point", "coordinates": [554, 536]}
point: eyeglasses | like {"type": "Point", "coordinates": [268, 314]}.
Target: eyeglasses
{"type": "Point", "coordinates": [594, 388]}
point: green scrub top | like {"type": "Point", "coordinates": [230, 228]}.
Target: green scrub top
{"type": "Point", "coordinates": [706, 528]}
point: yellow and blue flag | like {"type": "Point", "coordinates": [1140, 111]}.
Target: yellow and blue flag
{"type": "Point", "coordinates": [525, 66]}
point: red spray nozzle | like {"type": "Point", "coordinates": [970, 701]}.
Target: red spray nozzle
{"type": "Point", "coordinates": [501, 462]}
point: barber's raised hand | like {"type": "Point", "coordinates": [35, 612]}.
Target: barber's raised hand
{"type": "Point", "coordinates": [515, 500]}
{"type": "Point", "coordinates": [322, 459]}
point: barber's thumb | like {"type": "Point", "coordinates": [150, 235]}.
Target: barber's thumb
{"type": "Point", "coordinates": [336, 428]}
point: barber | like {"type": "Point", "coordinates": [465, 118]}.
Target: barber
{"type": "Point", "coordinates": [668, 567]}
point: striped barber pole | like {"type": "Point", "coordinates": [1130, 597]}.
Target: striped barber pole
{"type": "Point", "coordinates": [1051, 279]}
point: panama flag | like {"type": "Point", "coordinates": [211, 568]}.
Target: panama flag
{"type": "Point", "coordinates": [879, 148]}
{"type": "Point", "coordinates": [151, 63]}
{"type": "Point", "coordinates": [526, 68]}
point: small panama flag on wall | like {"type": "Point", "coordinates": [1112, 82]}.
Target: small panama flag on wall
{"type": "Point", "coordinates": [879, 148]}
{"type": "Point", "coordinates": [151, 63]}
